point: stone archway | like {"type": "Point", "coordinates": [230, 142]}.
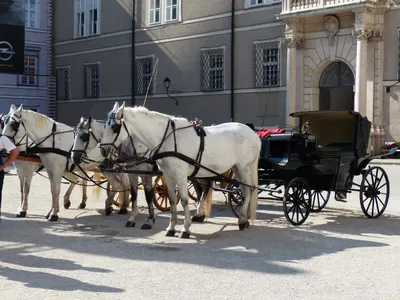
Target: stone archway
{"type": "Point", "coordinates": [336, 87]}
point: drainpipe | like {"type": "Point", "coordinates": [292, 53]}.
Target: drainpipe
{"type": "Point", "coordinates": [133, 63]}
{"type": "Point", "coordinates": [233, 62]}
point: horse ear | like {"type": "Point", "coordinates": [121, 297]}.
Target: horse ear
{"type": "Point", "coordinates": [90, 119]}
{"type": "Point", "coordinates": [82, 119]}
{"type": "Point", "coordinates": [18, 111]}
{"type": "Point", "coordinates": [116, 105]}
{"type": "Point", "coordinates": [120, 111]}
{"type": "Point", "coordinates": [12, 107]}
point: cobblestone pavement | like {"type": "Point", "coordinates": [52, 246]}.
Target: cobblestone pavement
{"type": "Point", "coordinates": [336, 254]}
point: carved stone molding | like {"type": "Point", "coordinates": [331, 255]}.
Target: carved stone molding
{"type": "Point", "coordinates": [331, 24]}
{"type": "Point", "coordinates": [362, 34]}
{"type": "Point", "coordinates": [294, 42]}
{"type": "Point", "coordinates": [378, 34]}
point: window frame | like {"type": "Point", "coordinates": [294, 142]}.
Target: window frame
{"type": "Point", "coordinates": [68, 91]}
{"type": "Point", "coordinates": [152, 89]}
{"type": "Point", "coordinates": [27, 11]}
{"type": "Point", "coordinates": [279, 44]}
{"type": "Point", "coordinates": [247, 3]}
{"type": "Point", "coordinates": [163, 13]}
{"type": "Point", "coordinates": [35, 76]}
{"type": "Point", "coordinates": [86, 15]}
{"type": "Point", "coordinates": [85, 92]}
{"type": "Point", "coordinates": [209, 49]}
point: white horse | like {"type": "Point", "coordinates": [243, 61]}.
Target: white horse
{"type": "Point", "coordinates": [229, 145]}
{"type": "Point", "coordinates": [53, 143]}
{"type": "Point", "coordinates": [26, 169]}
{"type": "Point", "coordinates": [86, 148]}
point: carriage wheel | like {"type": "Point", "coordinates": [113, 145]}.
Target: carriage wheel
{"type": "Point", "coordinates": [319, 199]}
{"type": "Point", "coordinates": [160, 191]}
{"type": "Point", "coordinates": [297, 201]}
{"type": "Point", "coordinates": [374, 192]}
{"type": "Point", "coordinates": [235, 201]}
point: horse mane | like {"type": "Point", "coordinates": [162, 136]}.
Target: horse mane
{"type": "Point", "coordinates": [145, 111]}
{"type": "Point", "coordinates": [41, 120]}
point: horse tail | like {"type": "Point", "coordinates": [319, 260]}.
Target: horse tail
{"type": "Point", "coordinates": [208, 200]}
{"type": "Point", "coordinates": [254, 195]}
{"type": "Point", "coordinates": [96, 188]}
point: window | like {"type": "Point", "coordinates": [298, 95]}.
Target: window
{"type": "Point", "coordinates": [154, 11]}
{"type": "Point", "coordinates": [266, 64]}
{"type": "Point", "coordinates": [172, 10]}
{"type": "Point", "coordinates": [63, 84]}
{"type": "Point", "coordinates": [144, 71]}
{"type": "Point", "coordinates": [212, 69]}
{"type": "Point", "coordinates": [30, 14]}
{"type": "Point", "coordinates": [163, 11]}
{"type": "Point", "coordinates": [92, 80]}
{"type": "Point", "coordinates": [86, 17]}
{"type": "Point", "coordinates": [30, 72]}
{"type": "Point", "coordinates": [255, 2]}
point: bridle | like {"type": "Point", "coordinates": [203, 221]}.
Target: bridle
{"type": "Point", "coordinates": [15, 127]}
{"type": "Point", "coordinates": [116, 128]}
{"type": "Point", "coordinates": [85, 137]}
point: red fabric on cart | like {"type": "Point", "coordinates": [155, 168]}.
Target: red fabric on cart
{"type": "Point", "coordinates": [265, 132]}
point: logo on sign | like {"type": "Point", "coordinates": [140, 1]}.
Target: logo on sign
{"type": "Point", "coordinates": [6, 51]}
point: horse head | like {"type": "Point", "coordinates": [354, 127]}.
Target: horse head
{"type": "Point", "coordinates": [12, 127]}
{"type": "Point", "coordinates": [87, 137]}
{"type": "Point", "coordinates": [113, 133]}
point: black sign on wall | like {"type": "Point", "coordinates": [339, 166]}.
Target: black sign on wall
{"type": "Point", "coordinates": [12, 36]}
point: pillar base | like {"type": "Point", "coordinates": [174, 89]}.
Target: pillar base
{"type": "Point", "coordinates": [376, 140]}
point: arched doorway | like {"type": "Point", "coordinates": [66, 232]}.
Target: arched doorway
{"type": "Point", "coordinates": [336, 87]}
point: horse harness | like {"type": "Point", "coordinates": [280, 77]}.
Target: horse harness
{"type": "Point", "coordinates": [155, 154]}
{"type": "Point", "coordinates": [31, 151]}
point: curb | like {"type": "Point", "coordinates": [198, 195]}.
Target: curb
{"type": "Point", "coordinates": [385, 162]}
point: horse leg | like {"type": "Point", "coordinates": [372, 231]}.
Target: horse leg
{"type": "Point", "coordinates": [82, 205]}
{"type": "Point", "coordinates": [202, 187]}
{"type": "Point", "coordinates": [170, 182]}
{"type": "Point", "coordinates": [67, 202]}
{"type": "Point", "coordinates": [125, 191]}
{"type": "Point", "coordinates": [115, 183]}
{"type": "Point", "coordinates": [133, 179]}
{"type": "Point", "coordinates": [245, 175]}
{"type": "Point", "coordinates": [148, 191]}
{"type": "Point", "coordinates": [184, 195]}
{"type": "Point", "coordinates": [21, 212]}
{"type": "Point", "coordinates": [27, 187]}
{"type": "Point", "coordinates": [55, 182]}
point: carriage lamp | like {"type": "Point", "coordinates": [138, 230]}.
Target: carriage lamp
{"type": "Point", "coordinates": [167, 82]}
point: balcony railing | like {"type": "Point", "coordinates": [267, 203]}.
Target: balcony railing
{"type": "Point", "coordinates": [291, 6]}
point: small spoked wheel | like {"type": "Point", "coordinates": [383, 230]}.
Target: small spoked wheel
{"type": "Point", "coordinates": [319, 199]}
{"type": "Point", "coordinates": [374, 192]}
{"type": "Point", "coordinates": [235, 200]}
{"type": "Point", "coordinates": [297, 201]}
{"type": "Point", "coordinates": [161, 200]}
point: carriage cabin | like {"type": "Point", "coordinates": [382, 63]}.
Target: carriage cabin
{"type": "Point", "coordinates": [332, 142]}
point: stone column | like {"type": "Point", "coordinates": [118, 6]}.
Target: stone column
{"type": "Point", "coordinates": [361, 69]}
{"type": "Point", "coordinates": [293, 81]}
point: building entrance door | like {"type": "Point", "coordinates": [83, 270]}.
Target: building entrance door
{"type": "Point", "coordinates": [336, 87]}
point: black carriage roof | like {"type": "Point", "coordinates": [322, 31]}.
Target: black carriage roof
{"type": "Point", "coordinates": [327, 113]}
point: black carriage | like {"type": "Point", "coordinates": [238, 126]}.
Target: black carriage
{"type": "Point", "coordinates": [323, 156]}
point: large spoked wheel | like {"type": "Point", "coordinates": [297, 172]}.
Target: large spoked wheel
{"type": "Point", "coordinates": [192, 191]}
{"type": "Point", "coordinates": [319, 199]}
{"type": "Point", "coordinates": [297, 201]}
{"type": "Point", "coordinates": [160, 191]}
{"type": "Point", "coordinates": [235, 201]}
{"type": "Point", "coordinates": [374, 192]}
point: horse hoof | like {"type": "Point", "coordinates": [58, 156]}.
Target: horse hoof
{"type": "Point", "coordinates": [244, 226]}
{"type": "Point", "coordinates": [146, 226]}
{"type": "Point", "coordinates": [198, 219]}
{"type": "Point", "coordinates": [130, 224]}
{"type": "Point", "coordinates": [109, 211]}
{"type": "Point", "coordinates": [184, 235]}
{"type": "Point", "coordinates": [53, 218]}
{"type": "Point", "coordinates": [21, 214]}
{"type": "Point", "coordinates": [170, 233]}
{"type": "Point", "coordinates": [47, 216]}
{"type": "Point", "coordinates": [82, 205]}
{"type": "Point", "coordinates": [67, 204]}
{"type": "Point", "coordinates": [123, 211]}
